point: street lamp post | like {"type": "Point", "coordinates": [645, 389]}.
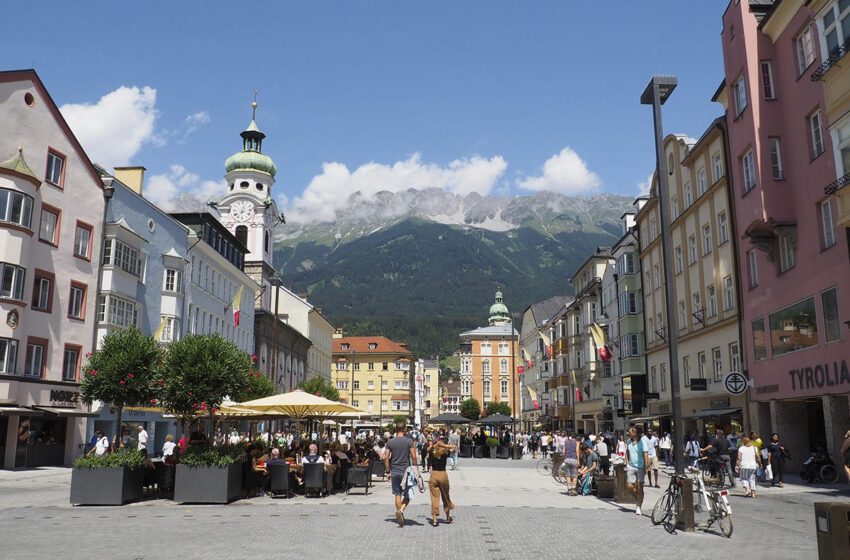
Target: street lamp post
{"type": "Point", "coordinates": [656, 93]}
{"type": "Point", "coordinates": [381, 404]}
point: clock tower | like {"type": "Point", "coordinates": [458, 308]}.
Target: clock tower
{"type": "Point", "coordinates": [248, 210]}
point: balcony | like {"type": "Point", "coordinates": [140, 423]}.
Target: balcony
{"type": "Point", "coordinates": [842, 193]}
{"type": "Point", "coordinates": [837, 54]}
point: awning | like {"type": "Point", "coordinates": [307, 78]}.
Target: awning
{"type": "Point", "coordinates": [68, 411]}
{"type": "Point", "coordinates": [713, 412]}
{"type": "Point", "coordinates": [10, 410]}
{"type": "Point", "coordinates": [648, 418]}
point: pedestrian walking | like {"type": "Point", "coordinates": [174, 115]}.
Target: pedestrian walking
{"type": "Point", "coordinates": [601, 449]}
{"type": "Point", "coordinates": [775, 454]}
{"type": "Point", "coordinates": [621, 450]}
{"type": "Point", "coordinates": [749, 461]}
{"type": "Point", "coordinates": [454, 440]}
{"type": "Point", "coordinates": [400, 454]}
{"type": "Point", "coordinates": [439, 481]}
{"type": "Point", "coordinates": [665, 444]}
{"type": "Point", "coordinates": [636, 461]}
{"type": "Point", "coordinates": [691, 450]}
{"type": "Point", "coordinates": [544, 444]}
{"type": "Point", "coordinates": [650, 445]}
{"type": "Point", "coordinates": [143, 438]}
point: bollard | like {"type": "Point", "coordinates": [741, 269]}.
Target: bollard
{"type": "Point", "coordinates": [623, 496]}
{"type": "Point", "coordinates": [832, 526]}
{"type": "Point", "coordinates": [685, 522]}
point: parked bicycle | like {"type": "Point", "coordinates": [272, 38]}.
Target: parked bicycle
{"type": "Point", "coordinates": [544, 466]}
{"type": "Point", "coordinates": [668, 508]}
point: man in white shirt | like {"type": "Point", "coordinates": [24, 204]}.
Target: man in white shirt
{"type": "Point", "coordinates": [601, 449]}
{"type": "Point", "coordinates": [544, 444]}
{"type": "Point", "coordinates": [143, 438]}
{"type": "Point", "coordinates": [650, 445]}
{"type": "Point", "coordinates": [101, 444]}
{"type": "Point", "coordinates": [314, 456]}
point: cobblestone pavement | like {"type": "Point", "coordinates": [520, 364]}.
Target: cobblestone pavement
{"type": "Point", "coordinates": [507, 512]}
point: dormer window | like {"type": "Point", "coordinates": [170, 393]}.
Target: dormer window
{"type": "Point", "coordinates": [345, 346]}
{"type": "Point", "coordinates": [373, 345]}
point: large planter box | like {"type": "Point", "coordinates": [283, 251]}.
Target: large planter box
{"type": "Point", "coordinates": [466, 451]}
{"type": "Point", "coordinates": [108, 486]}
{"type": "Point", "coordinates": [479, 451]}
{"type": "Point", "coordinates": [207, 485]}
{"type": "Point", "coordinates": [494, 452]}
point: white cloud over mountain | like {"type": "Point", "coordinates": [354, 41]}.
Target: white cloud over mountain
{"type": "Point", "coordinates": [330, 190]}
{"type": "Point", "coordinates": [114, 129]}
{"type": "Point", "coordinates": [565, 173]}
{"type": "Point", "coordinates": [180, 189]}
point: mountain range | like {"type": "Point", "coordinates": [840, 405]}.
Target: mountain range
{"type": "Point", "coordinates": [420, 266]}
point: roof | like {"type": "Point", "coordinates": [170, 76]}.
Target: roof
{"type": "Point", "coordinates": [494, 330]}
{"type": "Point", "coordinates": [544, 310]}
{"type": "Point", "coordinates": [360, 345]}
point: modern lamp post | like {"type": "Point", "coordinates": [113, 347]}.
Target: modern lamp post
{"type": "Point", "coordinates": [656, 93]}
{"type": "Point", "coordinates": [381, 405]}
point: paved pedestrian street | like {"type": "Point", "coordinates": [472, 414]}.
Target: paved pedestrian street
{"type": "Point", "coordinates": [505, 509]}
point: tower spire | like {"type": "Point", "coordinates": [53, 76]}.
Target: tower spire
{"type": "Point", "coordinates": [254, 106]}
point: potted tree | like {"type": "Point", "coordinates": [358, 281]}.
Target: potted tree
{"type": "Point", "coordinates": [121, 374]}
{"type": "Point", "coordinates": [198, 373]}
{"type": "Point", "coordinates": [493, 444]}
{"type": "Point", "coordinates": [471, 409]}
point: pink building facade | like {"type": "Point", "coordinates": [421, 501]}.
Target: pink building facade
{"type": "Point", "coordinates": [795, 281]}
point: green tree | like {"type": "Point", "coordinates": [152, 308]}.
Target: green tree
{"type": "Point", "coordinates": [123, 372]}
{"type": "Point", "coordinates": [498, 408]}
{"type": "Point", "coordinates": [318, 386]}
{"type": "Point", "coordinates": [470, 408]}
{"type": "Point", "coordinates": [398, 419]}
{"type": "Point", "coordinates": [200, 371]}
{"type": "Point", "coordinates": [261, 386]}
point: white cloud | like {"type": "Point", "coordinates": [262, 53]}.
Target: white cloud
{"type": "Point", "coordinates": [330, 191]}
{"type": "Point", "coordinates": [180, 189]}
{"type": "Point", "coordinates": [192, 123]}
{"type": "Point", "coordinates": [564, 173]}
{"type": "Point", "coordinates": [113, 130]}
{"type": "Point", "coordinates": [645, 186]}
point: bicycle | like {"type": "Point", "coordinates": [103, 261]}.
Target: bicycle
{"type": "Point", "coordinates": [713, 472]}
{"type": "Point", "coordinates": [544, 466]}
{"type": "Point", "coordinates": [716, 502]}
{"type": "Point", "coordinates": [668, 506]}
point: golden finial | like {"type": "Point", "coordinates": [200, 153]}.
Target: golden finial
{"type": "Point", "coordinates": [20, 149]}
{"type": "Point", "coordinates": [254, 106]}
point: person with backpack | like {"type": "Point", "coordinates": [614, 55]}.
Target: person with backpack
{"type": "Point", "coordinates": [692, 450]}
{"type": "Point", "coordinates": [588, 470]}
{"type": "Point", "coordinates": [101, 445]}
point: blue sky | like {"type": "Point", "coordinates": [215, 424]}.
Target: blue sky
{"type": "Point", "coordinates": [494, 97]}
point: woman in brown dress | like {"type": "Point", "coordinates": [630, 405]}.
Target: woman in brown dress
{"type": "Point", "coordinates": [439, 482]}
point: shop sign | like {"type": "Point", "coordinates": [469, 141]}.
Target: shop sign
{"type": "Point", "coordinates": [699, 384]}
{"type": "Point", "coordinates": [819, 376]}
{"type": "Point", "coordinates": [652, 396]}
{"type": "Point", "coordinates": [64, 396]}
{"type": "Point", "coordinates": [663, 408]}
{"type": "Point", "coordinates": [720, 403]}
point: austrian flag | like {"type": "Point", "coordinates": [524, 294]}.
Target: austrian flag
{"type": "Point", "coordinates": [237, 299]}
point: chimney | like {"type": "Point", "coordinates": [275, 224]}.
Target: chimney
{"type": "Point", "coordinates": [133, 177]}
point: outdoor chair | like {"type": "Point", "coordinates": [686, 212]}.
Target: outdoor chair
{"type": "Point", "coordinates": [314, 478]}
{"type": "Point", "coordinates": [360, 477]}
{"type": "Point", "coordinates": [377, 469]}
{"type": "Point", "coordinates": [165, 485]}
{"type": "Point", "coordinates": [279, 479]}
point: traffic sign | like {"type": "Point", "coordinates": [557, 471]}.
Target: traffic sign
{"type": "Point", "coordinates": [735, 383]}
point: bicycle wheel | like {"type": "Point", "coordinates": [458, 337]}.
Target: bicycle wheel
{"type": "Point", "coordinates": [829, 474]}
{"type": "Point", "coordinates": [661, 509]}
{"type": "Point", "coordinates": [561, 474]}
{"type": "Point", "coordinates": [724, 521]}
{"type": "Point", "coordinates": [671, 520]}
{"type": "Point", "coordinates": [544, 467]}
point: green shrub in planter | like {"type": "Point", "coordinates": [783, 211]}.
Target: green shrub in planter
{"type": "Point", "coordinates": [131, 460]}
{"type": "Point", "coordinates": [110, 479]}
{"type": "Point", "coordinates": [223, 456]}
{"type": "Point", "coordinates": [491, 442]}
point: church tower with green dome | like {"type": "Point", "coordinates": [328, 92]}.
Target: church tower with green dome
{"type": "Point", "coordinates": [498, 311]}
{"type": "Point", "coordinates": [248, 210]}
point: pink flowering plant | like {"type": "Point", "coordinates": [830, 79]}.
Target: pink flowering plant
{"type": "Point", "coordinates": [122, 372]}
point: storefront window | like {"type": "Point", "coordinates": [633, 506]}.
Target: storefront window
{"type": "Point", "coordinates": [41, 442]}
{"type": "Point", "coordinates": [794, 328]}
{"type": "Point", "coordinates": [831, 320]}
{"type": "Point", "coordinates": [759, 345]}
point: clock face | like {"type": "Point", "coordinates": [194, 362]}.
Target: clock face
{"type": "Point", "coordinates": [242, 210]}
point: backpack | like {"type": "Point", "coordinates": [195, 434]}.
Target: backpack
{"type": "Point", "coordinates": [586, 485]}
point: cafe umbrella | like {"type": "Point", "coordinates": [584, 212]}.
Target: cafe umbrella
{"type": "Point", "coordinates": [449, 418]}
{"type": "Point", "coordinates": [297, 405]}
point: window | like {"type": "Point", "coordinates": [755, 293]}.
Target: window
{"type": "Point", "coordinates": [686, 370]}
{"type": "Point", "coordinates": [628, 303]}
{"type": "Point", "coordinates": [82, 241]}
{"type": "Point", "coordinates": [683, 316]}
{"type": "Point", "coordinates": [767, 79]}
{"type": "Point", "coordinates": [689, 196]}
{"type": "Point", "coordinates": [663, 377]}
{"type": "Point", "coordinates": [485, 366]}
{"type": "Point", "coordinates": [836, 26]}
{"type": "Point", "coordinates": [342, 365]}
{"type": "Point", "coordinates": [805, 50]}
{"type": "Point", "coordinates": [831, 319]}
{"type": "Point", "coordinates": [697, 304]}
{"type": "Point", "coordinates": [370, 385]}
{"type": "Point", "coordinates": [629, 346]}
{"type": "Point", "coordinates": [776, 160]}
{"type": "Point", "coordinates": [356, 366]}
{"type": "Point", "coordinates": [748, 164]}
{"type": "Point", "coordinates": [706, 239]}
{"type": "Point", "coordinates": [728, 293]}
{"type": "Point", "coordinates": [118, 253]}
{"type": "Point", "coordinates": [384, 385]}
{"type": "Point", "coordinates": [41, 292]}
{"type": "Point", "coordinates": [12, 286]}
{"type": "Point", "coordinates": [371, 366]}
{"type": "Point", "coordinates": [373, 345]}
{"type": "Point", "coordinates": [383, 405]}
{"type": "Point", "coordinates": [717, 364]}
{"type": "Point", "coordinates": [701, 365]}
{"type": "Point", "coordinates": [344, 345]}
{"type": "Point", "coordinates": [55, 172]}
{"type": "Point", "coordinates": [503, 367]}
{"type": "Point", "coordinates": [355, 404]}
{"type": "Point", "coordinates": [171, 328]}
{"type": "Point", "coordinates": [817, 134]}
{"type": "Point", "coordinates": [653, 229]}
{"type": "Point", "coordinates": [504, 348]}
{"type": "Point", "coordinates": [718, 167]}
{"type": "Point", "coordinates": [119, 311]}
{"type": "Point", "coordinates": [49, 229]}
{"type": "Point", "coordinates": [8, 355]}
{"type": "Point", "coordinates": [71, 363]}
{"type": "Point", "coordinates": [657, 272]}
{"type": "Point", "coordinates": [487, 387]}
{"type": "Point", "coordinates": [702, 182]}
{"type": "Point", "coordinates": [759, 341]}
{"type": "Point", "coordinates": [786, 254]}
{"type": "Point", "coordinates": [679, 264]}
{"type": "Point", "coordinates": [723, 225]}
{"type": "Point", "coordinates": [342, 385]}
{"type": "Point", "coordinates": [793, 328]}
{"type": "Point", "coordinates": [653, 380]}
{"type": "Point", "coordinates": [827, 223]}
{"type": "Point", "coordinates": [734, 357]}
{"type": "Point", "coordinates": [173, 280]}
{"type": "Point", "coordinates": [740, 95]}
{"type": "Point", "coordinates": [503, 387]}
{"type": "Point", "coordinates": [486, 348]}
{"type": "Point", "coordinates": [674, 207]}
{"type": "Point", "coordinates": [647, 284]}
{"type": "Point", "coordinates": [356, 385]}
{"type": "Point", "coordinates": [651, 330]}
{"type": "Point", "coordinates": [371, 404]}
{"type": "Point", "coordinates": [754, 270]}
{"type": "Point", "coordinates": [16, 208]}
{"type": "Point", "coordinates": [35, 359]}
{"type": "Point", "coordinates": [627, 263]}
{"type": "Point", "coordinates": [692, 248]}
{"type": "Point", "coordinates": [712, 302]}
